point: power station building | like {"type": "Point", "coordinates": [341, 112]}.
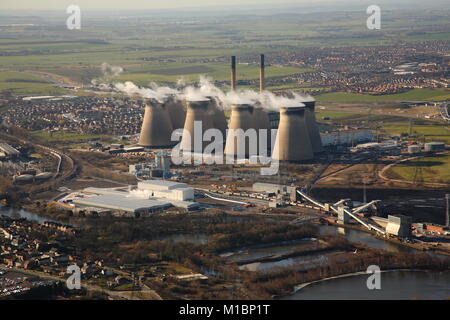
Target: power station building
{"type": "Point", "coordinates": [298, 137]}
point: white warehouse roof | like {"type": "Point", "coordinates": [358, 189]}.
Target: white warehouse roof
{"type": "Point", "coordinates": [115, 202]}
{"type": "Point", "coordinates": [160, 185]}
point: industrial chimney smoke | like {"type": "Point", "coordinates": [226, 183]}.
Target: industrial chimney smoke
{"type": "Point", "coordinates": [156, 126]}
{"type": "Point", "coordinates": [313, 128]}
{"type": "Point", "coordinates": [292, 142]}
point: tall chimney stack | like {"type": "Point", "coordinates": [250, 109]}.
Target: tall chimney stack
{"type": "Point", "coordinates": [261, 75]}
{"type": "Point", "coordinates": [233, 73]}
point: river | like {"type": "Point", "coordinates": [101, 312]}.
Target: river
{"type": "Point", "coordinates": [395, 285]}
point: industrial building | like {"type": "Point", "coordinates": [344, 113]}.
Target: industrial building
{"type": "Point", "coordinates": [167, 190]}
{"type": "Point", "coordinates": [399, 226]}
{"type": "Point", "coordinates": [434, 146]}
{"type": "Point", "coordinates": [123, 203]}
{"type": "Point", "coordinates": [346, 137]}
{"type": "Point", "coordinates": [150, 196]}
{"type": "Point", "coordinates": [160, 168]}
{"type": "Point", "coordinates": [277, 189]}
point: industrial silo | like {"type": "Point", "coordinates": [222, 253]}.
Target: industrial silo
{"type": "Point", "coordinates": [156, 126]}
{"type": "Point", "coordinates": [292, 142]}
{"type": "Point", "coordinates": [313, 128]}
{"type": "Point", "coordinates": [197, 111]}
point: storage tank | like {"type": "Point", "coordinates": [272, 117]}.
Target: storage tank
{"type": "Point", "coordinates": [313, 128]}
{"type": "Point", "coordinates": [197, 110]}
{"type": "Point", "coordinates": [292, 142]}
{"type": "Point", "coordinates": [156, 126]}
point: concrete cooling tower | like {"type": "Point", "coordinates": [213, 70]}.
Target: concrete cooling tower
{"type": "Point", "coordinates": [176, 112]}
{"type": "Point", "coordinates": [313, 128]}
{"type": "Point", "coordinates": [292, 142]}
{"type": "Point", "coordinates": [156, 126]}
{"type": "Point", "coordinates": [218, 117]}
{"type": "Point", "coordinates": [244, 116]}
{"type": "Point", "coordinates": [196, 111]}
{"type": "Point", "coordinates": [261, 121]}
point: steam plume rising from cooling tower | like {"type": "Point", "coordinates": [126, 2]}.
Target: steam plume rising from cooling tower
{"type": "Point", "coordinates": [157, 93]}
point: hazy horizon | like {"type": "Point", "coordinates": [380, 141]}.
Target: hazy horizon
{"type": "Point", "coordinates": [105, 5]}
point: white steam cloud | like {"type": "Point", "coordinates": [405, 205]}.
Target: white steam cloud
{"type": "Point", "coordinates": [109, 70]}
{"type": "Point", "coordinates": [206, 89]}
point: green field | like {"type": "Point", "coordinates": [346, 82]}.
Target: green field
{"type": "Point", "coordinates": [434, 169]}
{"type": "Point", "coordinates": [21, 83]}
{"type": "Point", "coordinates": [190, 73]}
{"type": "Point", "coordinates": [425, 132]}
{"type": "Point", "coordinates": [61, 136]}
{"type": "Point", "coordinates": [415, 94]}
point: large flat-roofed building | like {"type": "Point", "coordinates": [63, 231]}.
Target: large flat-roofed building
{"type": "Point", "coordinates": [167, 189]}
{"type": "Point", "coordinates": [123, 203]}
{"type": "Point", "coordinates": [150, 196]}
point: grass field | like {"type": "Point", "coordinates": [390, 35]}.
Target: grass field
{"type": "Point", "coordinates": [21, 83]}
{"type": "Point", "coordinates": [415, 94]}
{"type": "Point", "coordinates": [190, 73]}
{"type": "Point", "coordinates": [66, 136]}
{"type": "Point", "coordinates": [430, 132]}
{"type": "Point", "coordinates": [435, 168]}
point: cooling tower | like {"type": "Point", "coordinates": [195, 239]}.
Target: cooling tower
{"type": "Point", "coordinates": [261, 121]}
{"type": "Point", "coordinates": [196, 111]}
{"type": "Point", "coordinates": [313, 128]}
{"type": "Point", "coordinates": [244, 116]}
{"type": "Point", "coordinates": [292, 142]}
{"type": "Point", "coordinates": [241, 118]}
{"type": "Point", "coordinates": [218, 117]}
{"type": "Point", "coordinates": [156, 126]}
{"type": "Point", "coordinates": [176, 112]}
